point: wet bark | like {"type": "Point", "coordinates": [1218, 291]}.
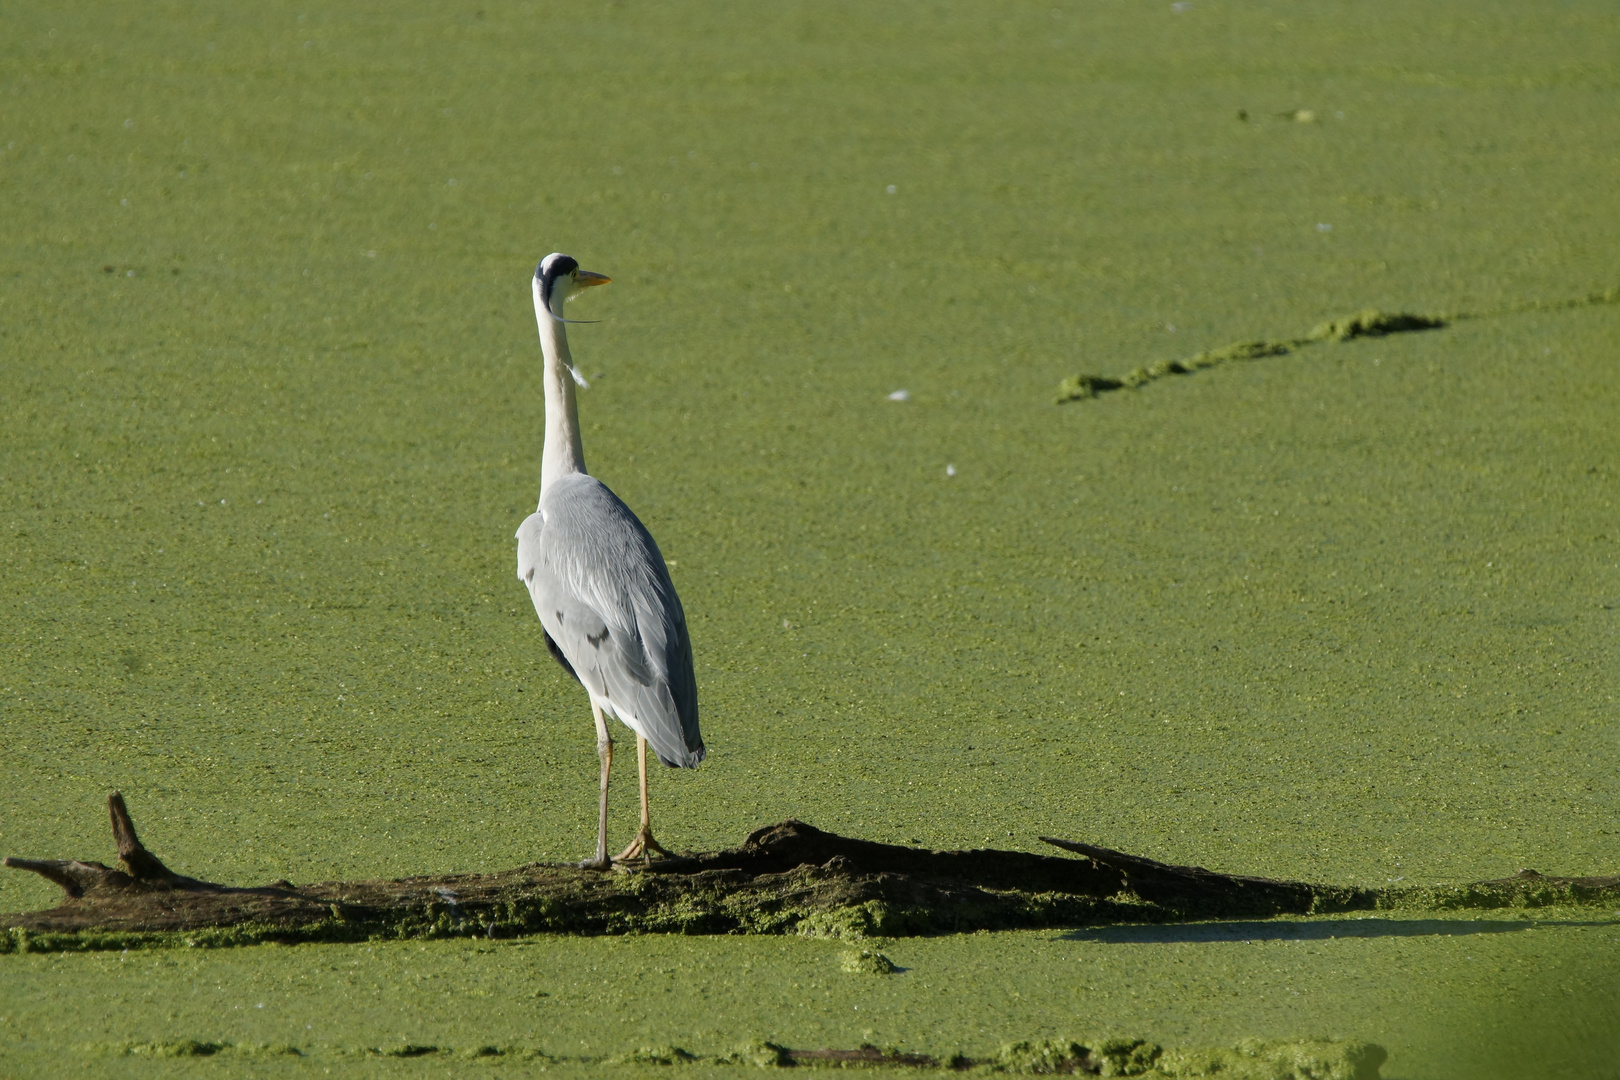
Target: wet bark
{"type": "Point", "coordinates": [784, 878]}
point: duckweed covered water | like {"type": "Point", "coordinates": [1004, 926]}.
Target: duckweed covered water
{"type": "Point", "coordinates": [272, 413]}
{"type": "Point", "coordinates": [571, 1003]}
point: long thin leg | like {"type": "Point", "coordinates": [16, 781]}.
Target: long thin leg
{"type": "Point", "coordinates": [643, 845]}
{"type": "Point", "coordinates": [604, 750]}
{"type": "Point", "coordinates": [641, 767]}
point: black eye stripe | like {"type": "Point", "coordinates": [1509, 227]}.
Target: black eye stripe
{"type": "Point", "coordinates": [553, 267]}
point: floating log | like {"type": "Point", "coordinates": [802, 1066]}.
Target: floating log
{"type": "Point", "coordinates": [784, 878]}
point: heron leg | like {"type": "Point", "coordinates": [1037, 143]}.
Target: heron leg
{"type": "Point", "coordinates": [604, 750]}
{"type": "Point", "coordinates": [643, 845]}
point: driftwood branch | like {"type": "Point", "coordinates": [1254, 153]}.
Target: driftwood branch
{"type": "Point", "coordinates": [143, 871]}
{"type": "Point", "coordinates": [785, 878]}
{"type": "Point", "coordinates": [1167, 883]}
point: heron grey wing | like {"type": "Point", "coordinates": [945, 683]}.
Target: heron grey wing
{"type": "Point", "coordinates": [613, 665]}
{"type": "Point", "coordinates": [665, 708]}
{"type": "Point", "coordinates": [593, 552]}
{"type": "Point", "coordinates": [683, 688]}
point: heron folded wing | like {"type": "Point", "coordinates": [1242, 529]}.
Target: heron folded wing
{"type": "Point", "coordinates": [649, 708]}
{"type": "Point", "coordinates": [614, 669]}
{"type": "Point", "coordinates": [589, 563]}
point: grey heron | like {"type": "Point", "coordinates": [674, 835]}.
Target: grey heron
{"type": "Point", "coordinates": [599, 584]}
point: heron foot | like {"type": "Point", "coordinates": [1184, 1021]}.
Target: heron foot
{"type": "Point", "coordinates": [596, 862]}
{"type": "Point", "coordinates": [642, 848]}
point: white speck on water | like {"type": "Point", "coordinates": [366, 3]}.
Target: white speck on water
{"type": "Point", "coordinates": [129, 273]}
{"type": "Point", "coordinates": [450, 182]}
{"type": "Point", "coordinates": [123, 202]}
{"type": "Point", "coordinates": [1322, 226]}
{"type": "Point", "coordinates": [1181, 5]}
{"type": "Point", "coordinates": [900, 395]}
{"type": "Point", "coordinates": [891, 189]}
{"type": "Point", "coordinates": [950, 470]}
{"type": "Point", "coordinates": [130, 123]}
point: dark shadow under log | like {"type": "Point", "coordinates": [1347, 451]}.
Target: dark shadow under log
{"type": "Point", "coordinates": [785, 878]}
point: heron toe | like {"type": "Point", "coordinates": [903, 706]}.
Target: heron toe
{"type": "Point", "coordinates": [642, 848]}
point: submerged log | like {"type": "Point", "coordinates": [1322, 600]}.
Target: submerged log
{"type": "Point", "coordinates": [784, 878]}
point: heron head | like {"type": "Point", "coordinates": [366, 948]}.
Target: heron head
{"type": "Point", "coordinates": [558, 278]}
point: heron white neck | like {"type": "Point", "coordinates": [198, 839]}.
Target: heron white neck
{"type": "Point", "coordinates": [564, 454]}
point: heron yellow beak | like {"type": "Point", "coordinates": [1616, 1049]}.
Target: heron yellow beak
{"type": "Point", "coordinates": [586, 278]}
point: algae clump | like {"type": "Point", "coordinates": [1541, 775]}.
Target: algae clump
{"type": "Point", "coordinates": [1372, 323]}
{"type": "Point", "coordinates": [1251, 1059]}
{"type": "Point", "coordinates": [1041, 1058]}
{"type": "Point", "coordinates": [194, 1048]}
{"type": "Point", "coordinates": [1278, 1059]}
{"type": "Point", "coordinates": [403, 1050]}
{"type": "Point", "coordinates": [1102, 1057]}
{"type": "Point", "coordinates": [656, 1055]}
{"type": "Point", "coordinates": [766, 1055]}
{"type": "Point", "coordinates": [867, 962]}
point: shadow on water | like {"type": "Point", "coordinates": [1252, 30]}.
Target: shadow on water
{"type": "Point", "coordinates": [1314, 930]}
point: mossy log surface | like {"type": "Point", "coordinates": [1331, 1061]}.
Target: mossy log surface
{"type": "Point", "coordinates": [785, 878]}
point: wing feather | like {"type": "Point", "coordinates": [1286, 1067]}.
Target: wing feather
{"type": "Point", "coordinates": [604, 596]}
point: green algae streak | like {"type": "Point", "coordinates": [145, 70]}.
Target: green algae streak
{"type": "Point", "coordinates": [1367, 323]}
{"type": "Point", "coordinates": [271, 416]}
{"type": "Point", "coordinates": [1252, 1059]}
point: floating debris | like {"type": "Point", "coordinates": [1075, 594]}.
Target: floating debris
{"type": "Point", "coordinates": [867, 962]}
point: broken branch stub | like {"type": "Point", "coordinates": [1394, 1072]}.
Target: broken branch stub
{"type": "Point", "coordinates": [143, 871]}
